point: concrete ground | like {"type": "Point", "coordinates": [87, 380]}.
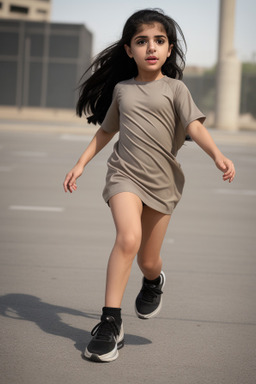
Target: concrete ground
{"type": "Point", "coordinates": [54, 249]}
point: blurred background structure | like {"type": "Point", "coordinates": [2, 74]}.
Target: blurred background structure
{"type": "Point", "coordinates": [26, 9]}
{"type": "Point", "coordinates": [41, 63]}
{"type": "Point", "coordinates": [228, 70]}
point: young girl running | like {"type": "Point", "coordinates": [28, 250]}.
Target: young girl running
{"type": "Point", "coordinates": [135, 89]}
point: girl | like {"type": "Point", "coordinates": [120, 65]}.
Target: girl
{"type": "Point", "coordinates": [135, 90]}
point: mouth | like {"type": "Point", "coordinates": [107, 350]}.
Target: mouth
{"type": "Point", "coordinates": [152, 59]}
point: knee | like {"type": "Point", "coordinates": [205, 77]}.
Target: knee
{"type": "Point", "coordinates": [129, 243]}
{"type": "Point", "coordinates": [148, 265]}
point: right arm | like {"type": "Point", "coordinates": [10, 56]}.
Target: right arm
{"type": "Point", "coordinates": [99, 141]}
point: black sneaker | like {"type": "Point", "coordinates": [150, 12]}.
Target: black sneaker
{"type": "Point", "coordinates": [149, 301]}
{"type": "Point", "coordinates": [108, 337]}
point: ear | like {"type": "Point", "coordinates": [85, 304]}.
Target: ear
{"type": "Point", "coordinates": [128, 51]}
{"type": "Point", "coordinates": [170, 50]}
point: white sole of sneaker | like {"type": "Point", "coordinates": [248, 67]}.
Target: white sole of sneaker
{"type": "Point", "coordinates": [150, 315]}
{"type": "Point", "coordinates": [157, 310]}
{"type": "Point", "coordinates": [112, 355]}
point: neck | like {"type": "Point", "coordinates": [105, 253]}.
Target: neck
{"type": "Point", "coordinates": [149, 76]}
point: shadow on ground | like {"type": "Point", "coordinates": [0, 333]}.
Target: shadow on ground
{"type": "Point", "coordinates": [48, 318]}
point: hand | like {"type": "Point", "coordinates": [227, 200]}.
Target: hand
{"type": "Point", "coordinates": [227, 167]}
{"type": "Point", "coordinates": [70, 179]}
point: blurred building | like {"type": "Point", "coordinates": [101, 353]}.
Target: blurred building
{"type": "Point", "coordinates": [36, 10]}
{"type": "Point", "coordinates": [202, 84]}
{"type": "Point", "coordinates": [41, 62]}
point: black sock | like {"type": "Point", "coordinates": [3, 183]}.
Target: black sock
{"type": "Point", "coordinates": [156, 281]}
{"type": "Point", "coordinates": [114, 312]}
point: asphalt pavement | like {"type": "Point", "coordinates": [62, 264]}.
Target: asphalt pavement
{"type": "Point", "coordinates": [54, 248]}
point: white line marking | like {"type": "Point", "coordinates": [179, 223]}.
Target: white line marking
{"type": "Point", "coordinates": [35, 208]}
{"type": "Point", "coordinates": [30, 153]}
{"type": "Point", "coordinates": [68, 137]}
{"type": "Point", "coordinates": [241, 192]}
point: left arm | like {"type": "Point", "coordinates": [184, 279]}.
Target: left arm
{"type": "Point", "coordinates": [201, 136]}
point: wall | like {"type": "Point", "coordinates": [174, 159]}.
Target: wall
{"type": "Point", "coordinates": [41, 63]}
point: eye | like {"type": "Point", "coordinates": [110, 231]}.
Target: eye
{"type": "Point", "coordinates": [160, 41]}
{"type": "Point", "coordinates": [141, 42]}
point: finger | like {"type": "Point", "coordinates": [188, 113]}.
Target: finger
{"type": "Point", "coordinates": [66, 181]}
{"type": "Point", "coordinates": [229, 175]}
{"type": "Point", "coordinates": [233, 176]}
{"type": "Point", "coordinates": [229, 167]}
{"type": "Point", "coordinates": [72, 180]}
{"type": "Point", "coordinates": [72, 186]}
{"type": "Point", "coordinates": [225, 178]}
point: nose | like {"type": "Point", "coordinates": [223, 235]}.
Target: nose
{"type": "Point", "coordinates": [151, 46]}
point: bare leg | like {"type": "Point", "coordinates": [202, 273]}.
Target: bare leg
{"type": "Point", "coordinates": [154, 226]}
{"type": "Point", "coordinates": [126, 209]}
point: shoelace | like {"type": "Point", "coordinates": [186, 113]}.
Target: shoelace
{"type": "Point", "coordinates": [107, 327]}
{"type": "Point", "coordinates": [150, 292]}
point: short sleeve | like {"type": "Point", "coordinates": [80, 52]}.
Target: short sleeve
{"type": "Point", "coordinates": [185, 106]}
{"type": "Point", "coordinates": [111, 122]}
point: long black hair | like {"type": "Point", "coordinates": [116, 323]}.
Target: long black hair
{"type": "Point", "coordinates": [113, 64]}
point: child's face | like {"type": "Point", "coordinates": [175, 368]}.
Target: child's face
{"type": "Point", "coordinates": [149, 48]}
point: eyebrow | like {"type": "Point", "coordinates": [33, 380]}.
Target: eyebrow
{"type": "Point", "coordinates": [145, 37]}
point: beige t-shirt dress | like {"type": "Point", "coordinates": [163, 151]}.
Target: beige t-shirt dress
{"type": "Point", "coordinates": [151, 118]}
